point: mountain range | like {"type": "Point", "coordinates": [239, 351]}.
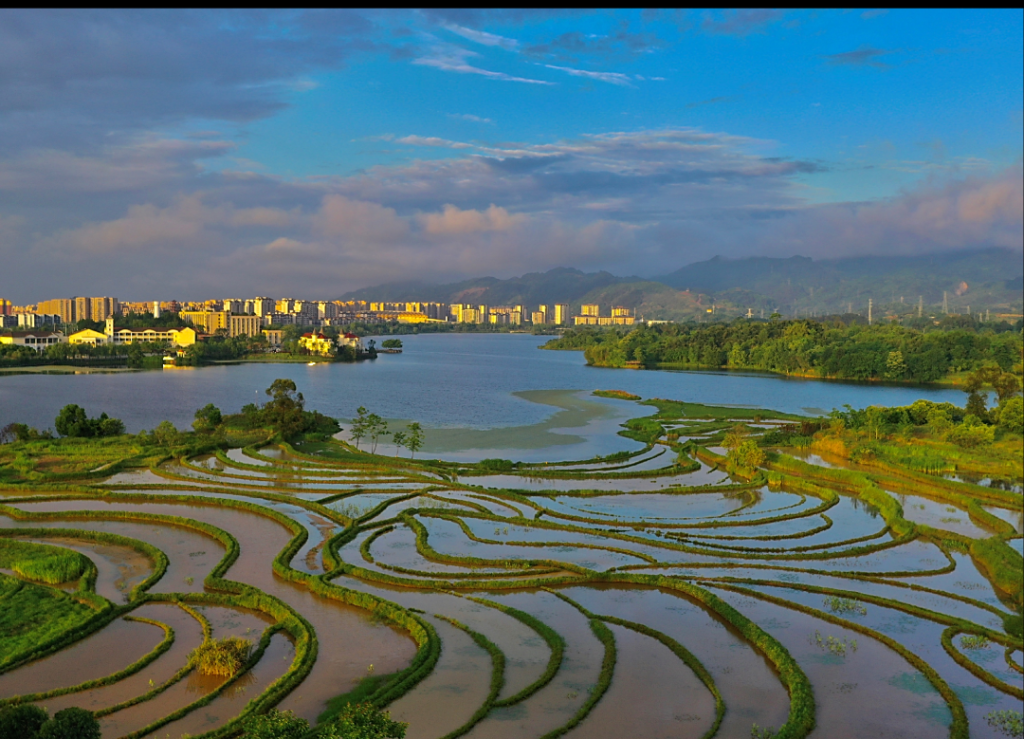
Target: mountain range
{"type": "Point", "coordinates": [990, 279]}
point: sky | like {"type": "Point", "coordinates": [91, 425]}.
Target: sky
{"type": "Point", "coordinates": [196, 154]}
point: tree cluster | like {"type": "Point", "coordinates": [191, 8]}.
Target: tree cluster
{"type": "Point", "coordinates": [285, 413]}
{"type": "Point", "coordinates": [356, 721]}
{"type": "Point", "coordinates": [827, 349]}
{"type": "Point", "coordinates": [72, 421]}
{"type": "Point", "coordinates": [370, 426]}
{"type": "Point", "coordinates": [28, 721]}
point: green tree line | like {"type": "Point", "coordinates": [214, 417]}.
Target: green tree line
{"type": "Point", "coordinates": [803, 347]}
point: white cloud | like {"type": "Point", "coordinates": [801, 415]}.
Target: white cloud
{"type": "Point", "coordinates": [452, 220]}
{"type": "Point", "coordinates": [470, 117]}
{"type": "Point", "coordinates": [482, 37]}
{"type": "Point", "coordinates": [432, 141]}
{"type": "Point", "coordinates": [453, 59]}
{"type": "Point", "coordinates": [615, 78]}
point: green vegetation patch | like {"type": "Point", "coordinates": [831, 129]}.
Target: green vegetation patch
{"type": "Point", "coordinates": [42, 562]}
{"type": "Point", "coordinates": [33, 614]}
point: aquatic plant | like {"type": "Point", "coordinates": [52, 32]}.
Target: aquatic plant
{"type": "Point", "coordinates": [834, 645]}
{"type": "Point", "coordinates": [974, 641]}
{"type": "Point", "coordinates": [1007, 722]}
{"type": "Point", "coordinates": [844, 606]}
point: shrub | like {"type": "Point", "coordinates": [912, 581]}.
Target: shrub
{"type": "Point", "coordinates": [275, 725]}
{"type": "Point", "coordinates": [73, 422]}
{"type": "Point", "coordinates": [22, 721]}
{"type": "Point", "coordinates": [970, 436]}
{"type": "Point", "coordinates": [224, 657]}
{"type": "Point", "coordinates": [497, 465]}
{"type": "Point", "coordinates": [71, 723]}
{"type": "Point", "coordinates": [1011, 415]}
{"type": "Point", "coordinates": [362, 721]}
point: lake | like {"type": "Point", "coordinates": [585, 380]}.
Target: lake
{"type": "Point", "coordinates": [457, 382]}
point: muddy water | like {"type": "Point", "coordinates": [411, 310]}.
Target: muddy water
{"type": "Point", "coordinates": [703, 476]}
{"type": "Point", "coordinates": [275, 662]}
{"type": "Point", "coordinates": [526, 653]}
{"type": "Point", "coordinates": [188, 634]}
{"type": "Point", "coordinates": [922, 637]}
{"type": "Point", "coordinates": [939, 515]}
{"type": "Point", "coordinates": [119, 568]}
{"type": "Point", "coordinates": [109, 650]}
{"type": "Point", "coordinates": [349, 640]}
{"type": "Point", "coordinates": [872, 676]}
{"type": "Point", "coordinates": [447, 538]}
{"type": "Point", "coordinates": [556, 703]}
{"type": "Point", "coordinates": [451, 693]}
{"type": "Point", "coordinates": [653, 694]}
{"type": "Point", "coordinates": [751, 690]}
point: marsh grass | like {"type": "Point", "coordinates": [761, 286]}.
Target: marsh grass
{"type": "Point", "coordinates": [41, 562]}
{"type": "Point", "coordinates": [225, 657]}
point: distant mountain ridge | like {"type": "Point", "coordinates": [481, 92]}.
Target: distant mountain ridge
{"type": "Point", "coordinates": [560, 285]}
{"type": "Point", "coordinates": [985, 279]}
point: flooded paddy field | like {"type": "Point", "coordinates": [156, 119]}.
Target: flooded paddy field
{"type": "Point", "coordinates": [659, 594]}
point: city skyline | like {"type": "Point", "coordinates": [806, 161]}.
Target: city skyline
{"type": "Point", "coordinates": [312, 153]}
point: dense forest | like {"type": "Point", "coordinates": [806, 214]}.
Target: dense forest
{"type": "Point", "coordinates": [815, 348]}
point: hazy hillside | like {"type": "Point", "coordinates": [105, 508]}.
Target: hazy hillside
{"type": "Point", "coordinates": [988, 279]}
{"type": "Point", "coordinates": [560, 285]}
{"type": "Point", "coordinates": [982, 278]}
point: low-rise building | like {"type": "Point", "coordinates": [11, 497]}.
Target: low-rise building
{"type": "Point", "coordinates": [317, 343]}
{"type": "Point", "coordinates": [275, 337]}
{"type": "Point", "coordinates": [88, 336]}
{"type": "Point", "coordinates": [38, 340]}
{"type": "Point", "coordinates": [175, 336]}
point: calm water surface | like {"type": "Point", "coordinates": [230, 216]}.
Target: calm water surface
{"type": "Point", "coordinates": [441, 380]}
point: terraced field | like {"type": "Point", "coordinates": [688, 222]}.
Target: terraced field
{"type": "Point", "coordinates": [649, 596]}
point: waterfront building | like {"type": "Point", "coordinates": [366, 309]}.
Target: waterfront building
{"type": "Point", "coordinates": [561, 314]}
{"type": "Point", "coordinates": [38, 340]}
{"type": "Point", "coordinates": [176, 336]}
{"type": "Point", "coordinates": [317, 343]}
{"type": "Point", "coordinates": [88, 336]}
{"type": "Point", "coordinates": [243, 325]}
{"type": "Point", "coordinates": [590, 309]}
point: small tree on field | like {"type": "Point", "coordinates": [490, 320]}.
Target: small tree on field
{"type": "Point", "coordinates": [399, 439]}
{"type": "Point", "coordinates": [376, 428]}
{"type": "Point", "coordinates": [208, 418]}
{"type": "Point", "coordinates": [415, 440]}
{"type": "Point", "coordinates": [359, 425]}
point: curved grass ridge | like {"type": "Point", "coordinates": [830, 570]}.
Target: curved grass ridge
{"type": "Point", "coordinates": [338, 471]}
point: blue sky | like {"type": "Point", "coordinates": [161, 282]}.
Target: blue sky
{"type": "Point", "coordinates": [314, 152]}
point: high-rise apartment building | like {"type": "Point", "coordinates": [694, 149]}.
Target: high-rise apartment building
{"type": "Point", "coordinates": [590, 309]}
{"type": "Point", "coordinates": [264, 306]}
{"type": "Point", "coordinates": [5, 307]}
{"type": "Point", "coordinates": [63, 307]}
{"type": "Point", "coordinates": [561, 314]}
{"type": "Point", "coordinates": [232, 305]}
